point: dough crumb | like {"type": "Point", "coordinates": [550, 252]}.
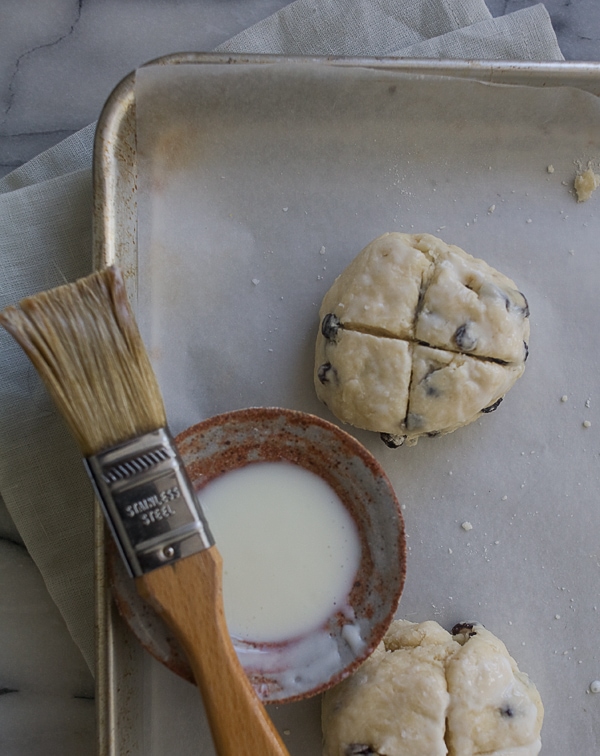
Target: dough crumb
{"type": "Point", "coordinates": [587, 424]}
{"type": "Point", "coordinates": [564, 398]}
{"type": "Point", "coordinates": [466, 526]}
{"type": "Point", "coordinates": [585, 184]}
{"type": "Point", "coordinates": [550, 169]}
{"type": "Point", "coordinates": [595, 686]}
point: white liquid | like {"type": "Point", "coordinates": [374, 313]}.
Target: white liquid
{"type": "Point", "coordinates": [290, 549]}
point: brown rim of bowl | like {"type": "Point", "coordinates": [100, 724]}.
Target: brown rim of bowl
{"type": "Point", "coordinates": [230, 454]}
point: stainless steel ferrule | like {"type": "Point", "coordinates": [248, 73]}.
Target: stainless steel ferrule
{"type": "Point", "coordinates": [149, 502]}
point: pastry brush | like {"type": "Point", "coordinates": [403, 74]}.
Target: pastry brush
{"type": "Point", "coordinates": [83, 340]}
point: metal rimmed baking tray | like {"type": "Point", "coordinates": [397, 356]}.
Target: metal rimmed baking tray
{"type": "Point", "coordinates": [532, 536]}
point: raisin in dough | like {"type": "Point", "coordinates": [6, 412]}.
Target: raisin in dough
{"type": "Point", "coordinates": [424, 691]}
{"type": "Point", "coordinates": [418, 338]}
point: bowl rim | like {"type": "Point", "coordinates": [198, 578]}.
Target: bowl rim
{"type": "Point", "coordinates": [148, 628]}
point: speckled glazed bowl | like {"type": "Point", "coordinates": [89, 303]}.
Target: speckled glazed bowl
{"type": "Point", "coordinates": [301, 667]}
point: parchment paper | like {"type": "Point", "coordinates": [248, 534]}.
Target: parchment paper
{"type": "Point", "coordinates": [257, 185]}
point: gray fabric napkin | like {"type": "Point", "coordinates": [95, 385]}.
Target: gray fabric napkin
{"type": "Point", "coordinates": [45, 240]}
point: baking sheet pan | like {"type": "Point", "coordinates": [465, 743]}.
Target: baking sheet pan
{"type": "Point", "coordinates": [295, 166]}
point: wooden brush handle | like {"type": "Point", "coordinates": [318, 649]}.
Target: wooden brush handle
{"type": "Point", "coordinates": [188, 596]}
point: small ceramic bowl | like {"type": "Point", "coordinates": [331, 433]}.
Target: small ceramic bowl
{"type": "Point", "coordinates": [301, 667]}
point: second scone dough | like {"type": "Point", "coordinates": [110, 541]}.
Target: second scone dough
{"type": "Point", "coordinates": [424, 691]}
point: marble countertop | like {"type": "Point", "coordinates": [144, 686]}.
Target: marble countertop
{"type": "Point", "coordinates": [59, 61]}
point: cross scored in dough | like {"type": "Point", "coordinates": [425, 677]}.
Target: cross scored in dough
{"type": "Point", "coordinates": [417, 338]}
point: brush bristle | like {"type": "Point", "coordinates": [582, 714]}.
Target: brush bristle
{"type": "Point", "coordinates": [84, 342]}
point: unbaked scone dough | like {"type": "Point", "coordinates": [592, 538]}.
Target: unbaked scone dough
{"type": "Point", "coordinates": [424, 691]}
{"type": "Point", "coordinates": [494, 708]}
{"type": "Point", "coordinates": [417, 337]}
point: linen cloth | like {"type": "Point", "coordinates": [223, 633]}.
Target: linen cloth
{"type": "Point", "coordinates": [45, 240]}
